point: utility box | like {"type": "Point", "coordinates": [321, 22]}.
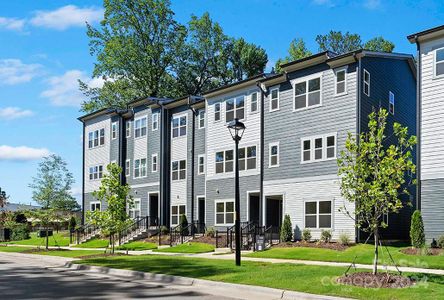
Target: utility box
{"type": "Point", "coordinates": [5, 234]}
{"type": "Point", "coordinates": [260, 243]}
{"type": "Point", "coordinates": [42, 233]}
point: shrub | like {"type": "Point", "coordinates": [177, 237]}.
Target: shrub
{"type": "Point", "coordinates": [441, 241]}
{"type": "Point", "coordinates": [286, 230]}
{"type": "Point", "coordinates": [306, 235]}
{"type": "Point", "coordinates": [417, 235]}
{"type": "Point", "coordinates": [183, 225]}
{"type": "Point", "coordinates": [20, 232]}
{"type": "Point", "coordinates": [210, 232]}
{"type": "Point", "coordinates": [344, 239]}
{"type": "Point", "coordinates": [164, 230]}
{"type": "Point", "coordinates": [72, 224]}
{"type": "Point", "coordinates": [325, 236]}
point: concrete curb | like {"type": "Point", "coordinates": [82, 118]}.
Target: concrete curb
{"type": "Point", "coordinates": [255, 292]}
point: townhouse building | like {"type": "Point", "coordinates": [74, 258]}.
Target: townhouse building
{"type": "Point", "coordinates": [430, 57]}
{"type": "Point", "coordinates": [296, 125]}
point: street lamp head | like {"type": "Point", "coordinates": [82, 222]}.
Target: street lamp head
{"type": "Point", "coordinates": [236, 128]}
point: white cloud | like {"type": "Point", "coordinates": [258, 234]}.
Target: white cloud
{"type": "Point", "coordinates": [12, 23]}
{"type": "Point", "coordinates": [14, 71]}
{"type": "Point", "coordinates": [77, 192]}
{"type": "Point", "coordinates": [67, 16]}
{"type": "Point", "coordinates": [64, 90]}
{"type": "Point", "coordinates": [10, 113]}
{"type": "Point", "coordinates": [372, 4]}
{"type": "Point", "coordinates": [22, 153]}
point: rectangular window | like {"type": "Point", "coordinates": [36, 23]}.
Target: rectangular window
{"type": "Point", "coordinates": [154, 163]}
{"type": "Point", "coordinates": [114, 130]}
{"type": "Point", "coordinates": [140, 168]}
{"type": "Point", "coordinates": [140, 127]}
{"type": "Point", "coordinates": [247, 158]}
{"type": "Point", "coordinates": [274, 99]}
{"type": "Point", "coordinates": [179, 127]}
{"type": "Point", "coordinates": [178, 170]}
{"type": "Point", "coordinates": [439, 62]}
{"type": "Point", "coordinates": [127, 167]}
{"type": "Point", "coordinates": [318, 214]}
{"type": "Point", "coordinates": [96, 138]}
{"type": "Point", "coordinates": [95, 206]}
{"type": "Point", "coordinates": [341, 82]}
{"type": "Point", "coordinates": [134, 211]}
{"type": "Point", "coordinates": [224, 161]}
{"type": "Point", "coordinates": [128, 129]}
{"type": "Point", "coordinates": [366, 82]}
{"type": "Point", "coordinates": [225, 213]}
{"type": "Point", "coordinates": [253, 103]}
{"type": "Point", "coordinates": [176, 212]}
{"type": "Point", "coordinates": [273, 156]}
{"type": "Point", "coordinates": [201, 118]}
{"type": "Point", "coordinates": [95, 172]}
{"type": "Point", "coordinates": [391, 103]}
{"type": "Point", "coordinates": [201, 164]}
{"type": "Point", "coordinates": [318, 148]}
{"type": "Point", "coordinates": [234, 108]}
{"type": "Point", "coordinates": [155, 121]}
{"type": "Point", "coordinates": [307, 93]}
{"type": "Point", "coordinates": [217, 112]}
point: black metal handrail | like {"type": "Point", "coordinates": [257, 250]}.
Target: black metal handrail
{"type": "Point", "coordinates": [272, 234]}
{"type": "Point", "coordinates": [82, 233]}
{"type": "Point", "coordinates": [140, 224]}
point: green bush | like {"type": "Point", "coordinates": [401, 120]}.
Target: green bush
{"type": "Point", "coordinates": [344, 239]}
{"type": "Point", "coordinates": [164, 230]}
{"type": "Point", "coordinates": [325, 236]}
{"type": "Point", "coordinates": [286, 230]}
{"type": "Point", "coordinates": [20, 232]}
{"type": "Point", "coordinates": [210, 232]}
{"type": "Point", "coordinates": [441, 241]}
{"type": "Point", "coordinates": [417, 235]}
{"type": "Point", "coordinates": [72, 224]}
{"type": "Point", "coordinates": [184, 225]}
{"type": "Point", "coordinates": [306, 235]}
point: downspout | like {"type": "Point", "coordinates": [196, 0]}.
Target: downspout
{"type": "Point", "coordinates": [358, 119]}
{"type": "Point", "coordinates": [193, 134]}
{"type": "Point", "coordinates": [261, 184]}
{"type": "Point", "coordinates": [164, 165]}
{"type": "Point", "coordinates": [418, 125]}
{"type": "Point", "coordinates": [122, 148]}
{"type": "Point", "coordinates": [83, 175]}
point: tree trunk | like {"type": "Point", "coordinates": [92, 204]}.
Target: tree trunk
{"type": "Point", "coordinates": [47, 239]}
{"type": "Point", "coordinates": [113, 245]}
{"type": "Point", "coordinates": [375, 261]}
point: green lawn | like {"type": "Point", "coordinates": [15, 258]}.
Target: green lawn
{"type": "Point", "coordinates": [188, 248]}
{"type": "Point", "coordinates": [63, 253]}
{"type": "Point", "coordinates": [137, 246]}
{"type": "Point", "coordinates": [363, 253]}
{"type": "Point", "coordinates": [310, 279]}
{"type": "Point", "coordinates": [58, 239]}
{"type": "Point", "coordinates": [94, 243]}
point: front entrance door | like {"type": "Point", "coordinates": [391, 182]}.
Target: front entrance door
{"type": "Point", "coordinates": [154, 209]}
{"type": "Point", "coordinates": [274, 210]}
{"type": "Point", "coordinates": [253, 208]}
{"type": "Point", "coordinates": [201, 209]}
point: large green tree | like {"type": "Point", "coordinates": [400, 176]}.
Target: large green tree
{"type": "Point", "coordinates": [297, 50]}
{"type": "Point", "coordinates": [51, 188]}
{"type": "Point", "coordinates": [246, 59]}
{"type": "Point", "coordinates": [135, 46]}
{"type": "Point", "coordinates": [379, 44]}
{"type": "Point", "coordinates": [376, 173]}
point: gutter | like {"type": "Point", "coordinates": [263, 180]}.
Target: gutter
{"type": "Point", "coordinates": [358, 118]}
{"type": "Point", "coordinates": [193, 142]}
{"type": "Point", "coordinates": [83, 175]}
{"type": "Point", "coordinates": [418, 124]}
{"type": "Point", "coordinates": [262, 141]}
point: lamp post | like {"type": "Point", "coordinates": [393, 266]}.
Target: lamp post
{"type": "Point", "coordinates": [236, 129]}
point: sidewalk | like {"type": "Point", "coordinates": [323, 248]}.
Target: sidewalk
{"type": "Point", "coordinates": [212, 255]}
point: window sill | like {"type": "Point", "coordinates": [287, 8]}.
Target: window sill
{"type": "Point", "coordinates": [307, 108]}
{"type": "Point", "coordinates": [97, 147]}
{"type": "Point", "coordinates": [341, 94]}
{"type": "Point", "coordinates": [224, 225]}
{"type": "Point", "coordinates": [272, 110]}
{"type": "Point", "coordinates": [273, 166]}
{"type": "Point", "coordinates": [178, 180]}
{"type": "Point", "coordinates": [179, 137]}
{"type": "Point", "coordinates": [139, 177]}
{"type": "Point", "coordinates": [140, 137]}
{"type": "Point", "coordinates": [317, 161]}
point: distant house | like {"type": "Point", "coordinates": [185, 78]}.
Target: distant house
{"type": "Point", "coordinates": [18, 206]}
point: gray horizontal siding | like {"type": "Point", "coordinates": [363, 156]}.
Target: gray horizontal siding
{"type": "Point", "coordinates": [432, 207]}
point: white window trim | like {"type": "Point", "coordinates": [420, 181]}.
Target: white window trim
{"type": "Point", "coordinates": [324, 148]}
{"type": "Point", "coordinates": [198, 164]}
{"type": "Point", "coordinates": [186, 126]}
{"type": "Point", "coordinates": [112, 131]}
{"type": "Point", "coordinates": [250, 97]}
{"type": "Point", "coordinates": [225, 211]}
{"type": "Point", "coordinates": [134, 168]}
{"type": "Point", "coordinates": [242, 172]}
{"type": "Point", "coordinates": [178, 213]}
{"type": "Point", "coordinates": [220, 112]}
{"type": "Point", "coordinates": [317, 215]}
{"type": "Point", "coordinates": [157, 163]}
{"type": "Point", "coordinates": [146, 126]}
{"type": "Point", "coordinates": [152, 121]}
{"type": "Point", "coordinates": [95, 202]}
{"type": "Point", "coordinates": [306, 79]}
{"type": "Point", "coordinates": [390, 96]}
{"type": "Point", "coordinates": [435, 62]}
{"type": "Point", "coordinates": [269, 155]}
{"type": "Point", "coordinates": [345, 82]}
{"type": "Point", "coordinates": [364, 83]}
{"type": "Point", "coordinates": [200, 118]}
{"type": "Point", "coordinates": [178, 170]}
{"type": "Point", "coordinates": [97, 165]}
{"type": "Point", "coordinates": [235, 107]}
{"type": "Point", "coordinates": [128, 170]}
{"type": "Point", "coordinates": [278, 99]}
{"type": "Point", "coordinates": [98, 145]}
{"type": "Point", "coordinates": [132, 209]}
{"type": "Point", "coordinates": [128, 129]}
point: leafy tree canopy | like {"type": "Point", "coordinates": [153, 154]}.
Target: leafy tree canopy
{"type": "Point", "coordinates": [297, 50]}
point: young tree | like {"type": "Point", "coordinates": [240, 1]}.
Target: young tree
{"type": "Point", "coordinates": [376, 175]}
{"type": "Point", "coordinates": [297, 50]}
{"type": "Point", "coordinates": [417, 235]}
{"type": "Point", "coordinates": [286, 230]}
{"type": "Point", "coordinates": [379, 44]}
{"type": "Point", "coordinates": [117, 197]}
{"type": "Point", "coordinates": [52, 185]}
{"type": "Point", "coordinates": [44, 218]}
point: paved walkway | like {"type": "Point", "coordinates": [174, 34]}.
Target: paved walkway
{"type": "Point", "coordinates": [216, 255]}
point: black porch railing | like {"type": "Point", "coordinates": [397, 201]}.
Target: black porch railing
{"type": "Point", "coordinates": [179, 234]}
{"type": "Point", "coordinates": [82, 234]}
{"type": "Point", "coordinates": [139, 226]}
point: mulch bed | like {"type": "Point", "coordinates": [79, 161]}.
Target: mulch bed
{"type": "Point", "coordinates": [380, 280]}
{"type": "Point", "coordinates": [100, 255]}
{"type": "Point", "coordinates": [205, 240]}
{"type": "Point", "coordinates": [332, 246]}
{"type": "Point", "coordinates": [35, 250]}
{"type": "Point", "coordinates": [429, 251]}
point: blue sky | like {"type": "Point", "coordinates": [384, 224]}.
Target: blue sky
{"type": "Point", "coordinates": [44, 49]}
